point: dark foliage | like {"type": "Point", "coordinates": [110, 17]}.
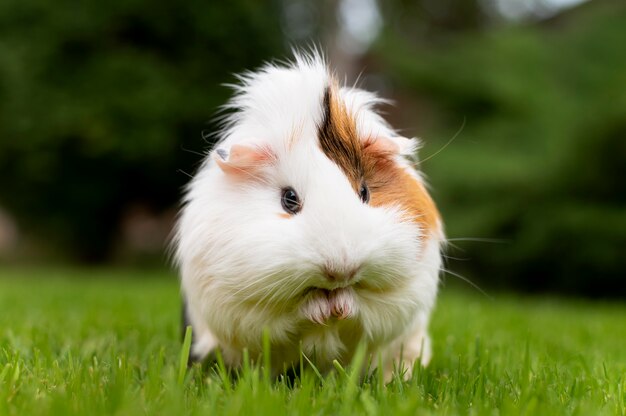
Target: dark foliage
{"type": "Point", "coordinates": [540, 162]}
{"type": "Point", "coordinates": [101, 104]}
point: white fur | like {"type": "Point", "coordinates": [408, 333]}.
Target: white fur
{"type": "Point", "coordinates": [245, 268]}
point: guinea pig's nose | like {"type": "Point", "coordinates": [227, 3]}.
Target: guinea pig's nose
{"type": "Point", "coordinates": [337, 274]}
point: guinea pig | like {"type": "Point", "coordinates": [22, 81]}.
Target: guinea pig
{"type": "Point", "coordinates": [308, 221]}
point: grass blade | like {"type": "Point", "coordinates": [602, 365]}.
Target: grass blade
{"type": "Point", "coordinates": [184, 356]}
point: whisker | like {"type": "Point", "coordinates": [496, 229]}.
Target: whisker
{"type": "Point", "coordinates": [260, 282]}
{"type": "Point", "coordinates": [267, 289]}
{"type": "Point", "coordinates": [456, 247]}
{"type": "Point", "coordinates": [455, 258]}
{"type": "Point", "coordinates": [184, 149]}
{"type": "Point", "coordinates": [270, 295]}
{"type": "Point", "coordinates": [258, 178]}
{"type": "Point", "coordinates": [184, 173]}
{"type": "Point", "coordinates": [466, 280]}
{"type": "Point", "coordinates": [480, 240]}
{"type": "Point", "coordinates": [446, 145]}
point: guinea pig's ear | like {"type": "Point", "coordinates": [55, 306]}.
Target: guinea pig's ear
{"type": "Point", "coordinates": [242, 159]}
{"type": "Point", "coordinates": [391, 145]}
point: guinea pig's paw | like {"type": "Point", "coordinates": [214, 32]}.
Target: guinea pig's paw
{"type": "Point", "coordinates": [316, 308]}
{"type": "Point", "coordinates": [342, 303]}
{"type": "Point", "coordinates": [415, 350]}
{"type": "Point", "coordinates": [401, 368]}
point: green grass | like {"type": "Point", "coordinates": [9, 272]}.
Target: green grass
{"type": "Point", "coordinates": [72, 342]}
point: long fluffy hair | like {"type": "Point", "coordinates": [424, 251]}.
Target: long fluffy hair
{"type": "Point", "coordinates": [308, 220]}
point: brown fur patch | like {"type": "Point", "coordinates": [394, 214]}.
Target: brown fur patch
{"type": "Point", "coordinates": [390, 184]}
{"type": "Point", "coordinates": [367, 161]}
{"type": "Point", "coordinates": [338, 137]}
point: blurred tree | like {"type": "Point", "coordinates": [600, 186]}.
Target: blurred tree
{"type": "Point", "coordinates": [102, 103]}
{"type": "Point", "coordinates": [432, 20]}
{"type": "Point", "coordinates": [99, 100]}
{"type": "Point", "coordinates": [540, 162]}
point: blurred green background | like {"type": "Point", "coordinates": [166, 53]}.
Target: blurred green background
{"type": "Point", "coordinates": [107, 107]}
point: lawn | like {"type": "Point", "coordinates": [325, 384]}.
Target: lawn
{"type": "Point", "coordinates": [107, 342]}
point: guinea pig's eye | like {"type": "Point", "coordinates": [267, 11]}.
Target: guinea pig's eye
{"type": "Point", "coordinates": [290, 201]}
{"type": "Point", "coordinates": [364, 193]}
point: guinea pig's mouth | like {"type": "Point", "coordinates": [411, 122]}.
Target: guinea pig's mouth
{"type": "Point", "coordinates": [322, 305]}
